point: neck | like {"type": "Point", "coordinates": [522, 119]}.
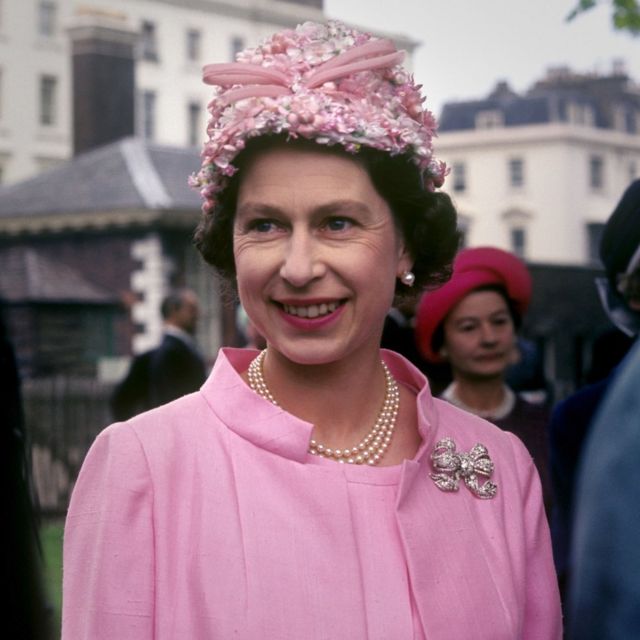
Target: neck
{"type": "Point", "coordinates": [341, 399]}
{"type": "Point", "coordinates": [482, 395]}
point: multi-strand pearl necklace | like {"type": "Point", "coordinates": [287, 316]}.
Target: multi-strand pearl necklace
{"type": "Point", "coordinates": [372, 447]}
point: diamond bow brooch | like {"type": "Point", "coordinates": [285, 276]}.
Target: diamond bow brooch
{"type": "Point", "coordinates": [452, 465]}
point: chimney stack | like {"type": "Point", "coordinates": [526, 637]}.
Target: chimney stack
{"type": "Point", "coordinates": [103, 51]}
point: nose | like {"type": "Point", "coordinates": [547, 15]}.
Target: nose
{"type": "Point", "coordinates": [488, 334]}
{"type": "Point", "coordinates": [301, 262]}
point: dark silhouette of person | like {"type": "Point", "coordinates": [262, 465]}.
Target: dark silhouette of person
{"type": "Point", "coordinates": [399, 335]}
{"type": "Point", "coordinates": [604, 591]}
{"type": "Point", "coordinates": [173, 369]}
{"type": "Point", "coordinates": [571, 419]}
{"type": "Point", "coordinates": [29, 615]}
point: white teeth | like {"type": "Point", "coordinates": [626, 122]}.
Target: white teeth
{"type": "Point", "coordinates": [312, 310]}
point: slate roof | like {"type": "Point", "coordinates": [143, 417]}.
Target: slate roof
{"type": "Point", "coordinates": [129, 174]}
{"type": "Point", "coordinates": [27, 276]}
{"type": "Point", "coordinates": [548, 101]}
{"type": "Point", "coordinates": [458, 116]}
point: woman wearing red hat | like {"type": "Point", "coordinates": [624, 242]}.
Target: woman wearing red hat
{"type": "Point", "coordinates": [471, 323]}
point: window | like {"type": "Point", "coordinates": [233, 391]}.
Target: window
{"type": "Point", "coordinates": [193, 123]}
{"type": "Point", "coordinates": [594, 236]}
{"type": "Point", "coordinates": [596, 172]}
{"type": "Point", "coordinates": [581, 114]}
{"type": "Point", "coordinates": [516, 172]}
{"type": "Point", "coordinates": [237, 45]}
{"type": "Point", "coordinates": [459, 171]}
{"type": "Point", "coordinates": [489, 119]}
{"type": "Point", "coordinates": [464, 225]}
{"type": "Point", "coordinates": [193, 44]}
{"type": "Point", "coordinates": [148, 115]}
{"type": "Point", "coordinates": [48, 99]}
{"type": "Point", "coordinates": [46, 18]}
{"type": "Point", "coordinates": [519, 241]}
{"type": "Point", "coordinates": [148, 42]}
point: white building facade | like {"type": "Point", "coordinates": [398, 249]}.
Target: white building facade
{"type": "Point", "coordinates": [540, 175]}
{"type": "Point", "coordinates": [175, 39]}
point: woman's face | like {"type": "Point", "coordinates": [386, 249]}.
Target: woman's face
{"type": "Point", "coordinates": [316, 254]}
{"type": "Point", "coordinates": [479, 336]}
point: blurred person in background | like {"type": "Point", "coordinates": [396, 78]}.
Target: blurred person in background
{"type": "Point", "coordinates": [619, 292]}
{"type": "Point", "coordinates": [604, 591]}
{"type": "Point", "coordinates": [29, 615]}
{"type": "Point", "coordinates": [173, 369]}
{"type": "Point", "coordinates": [314, 489]}
{"type": "Point", "coordinates": [399, 335]}
{"type": "Point", "coordinates": [471, 322]}
{"type": "Point", "coordinates": [250, 336]}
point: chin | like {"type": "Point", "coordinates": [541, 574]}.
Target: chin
{"type": "Point", "coordinates": [317, 352]}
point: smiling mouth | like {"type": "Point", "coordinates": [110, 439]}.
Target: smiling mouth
{"type": "Point", "coordinates": [311, 310]}
{"type": "Point", "coordinates": [490, 357]}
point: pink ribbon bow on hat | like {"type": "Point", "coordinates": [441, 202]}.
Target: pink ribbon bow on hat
{"type": "Point", "coordinates": [262, 81]}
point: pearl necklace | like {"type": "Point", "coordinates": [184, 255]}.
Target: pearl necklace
{"type": "Point", "coordinates": [372, 447]}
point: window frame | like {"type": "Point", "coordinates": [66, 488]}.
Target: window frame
{"type": "Point", "coordinates": [194, 111]}
{"type": "Point", "coordinates": [47, 11]}
{"type": "Point", "coordinates": [149, 41]}
{"type": "Point", "coordinates": [516, 169]}
{"type": "Point", "coordinates": [48, 100]}
{"type": "Point", "coordinates": [193, 44]}
{"type": "Point", "coordinates": [596, 172]}
{"type": "Point", "coordinates": [459, 182]}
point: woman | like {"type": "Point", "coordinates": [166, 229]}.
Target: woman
{"type": "Point", "coordinates": [471, 323]}
{"type": "Point", "coordinates": [227, 514]}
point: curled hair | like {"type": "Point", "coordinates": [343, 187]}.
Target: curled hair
{"type": "Point", "coordinates": [426, 219]}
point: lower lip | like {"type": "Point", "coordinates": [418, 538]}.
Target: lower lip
{"type": "Point", "coordinates": [489, 358]}
{"type": "Point", "coordinates": [311, 324]}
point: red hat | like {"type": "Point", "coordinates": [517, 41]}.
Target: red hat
{"type": "Point", "coordinates": [472, 269]}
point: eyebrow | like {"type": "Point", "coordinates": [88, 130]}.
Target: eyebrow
{"type": "Point", "coordinates": [263, 209]}
{"type": "Point", "coordinates": [493, 314]}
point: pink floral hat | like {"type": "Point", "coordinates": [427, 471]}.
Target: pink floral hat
{"type": "Point", "coordinates": [325, 82]}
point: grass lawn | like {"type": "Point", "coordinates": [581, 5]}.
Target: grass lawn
{"type": "Point", "coordinates": [51, 538]}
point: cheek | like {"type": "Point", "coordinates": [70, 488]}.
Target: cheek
{"type": "Point", "coordinates": [249, 280]}
{"type": "Point", "coordinates": [250, 260]}
{"type": "Point", "coordinates": [460, 344]}
{"type": "Point", "coordinates": [509, 334]}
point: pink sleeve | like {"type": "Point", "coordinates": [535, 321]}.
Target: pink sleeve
{"type": "Point", "coordinates": [108, 544]}
{"type": "Point", "coordinates": [543, 616]}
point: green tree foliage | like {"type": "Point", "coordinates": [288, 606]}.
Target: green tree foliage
{"type": "Point", "coordinates": [625, 16]}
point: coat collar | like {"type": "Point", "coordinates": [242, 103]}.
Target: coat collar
{"type": "Point", "coordinates": [273, 429]}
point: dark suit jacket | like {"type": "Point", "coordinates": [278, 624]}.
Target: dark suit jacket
{"type": "Point", "coordinates": [156, 377]}
{"type": "Point", "coordinates": [568, 431]}
{"type": "Point", "coordinates": [175, 370]}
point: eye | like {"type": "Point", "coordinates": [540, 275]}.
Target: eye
{"type": "Point", "coordinates": [262, 225]}
{"type": "Point", "coordinates": [501, 320]}
{"type": "Point", "coordinates": [338, 224]}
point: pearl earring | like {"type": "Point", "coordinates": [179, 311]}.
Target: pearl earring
{"type": "Point", "coordinates": [408, 278]}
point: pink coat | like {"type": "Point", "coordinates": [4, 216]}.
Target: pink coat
{"type": "Point", "coordinates": [204, 519]}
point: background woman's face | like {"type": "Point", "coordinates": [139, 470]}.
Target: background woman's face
{"type": "Point", "coordinates": [316, 253]}
{"type": "Point", "coordinates": [479, 336]}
